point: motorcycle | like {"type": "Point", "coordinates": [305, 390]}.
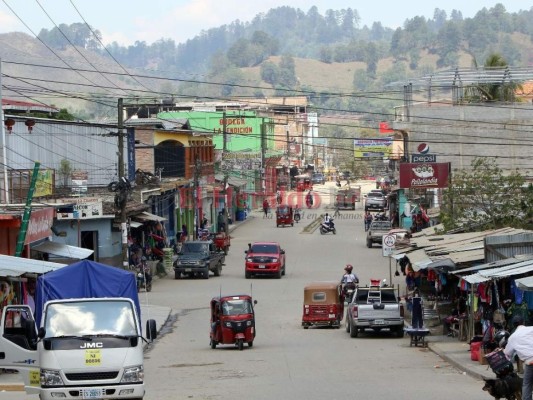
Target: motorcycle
{"type": "Point", "coordinates": [348, 290]}
{"type": "Point", "coordinates": [297, 215]}
{"type": "Point", "coordinates": [328, 227]}
{"type": "Point", "coordinates": [144, 277]}
{"type": "Point", "coordinates": [309, 201]}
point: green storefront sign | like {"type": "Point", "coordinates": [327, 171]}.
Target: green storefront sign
{"type": "Point", "coordinates": [243, 128]}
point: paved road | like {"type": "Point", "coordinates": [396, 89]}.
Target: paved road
{"type": "Point", "coordinates": [288, 362]}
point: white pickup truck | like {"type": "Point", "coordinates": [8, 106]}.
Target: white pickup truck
{"type": "Point", "coordinates": [375, 307]}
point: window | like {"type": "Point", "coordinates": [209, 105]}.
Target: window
{"type": "Point", "coordinates": [319, 296]}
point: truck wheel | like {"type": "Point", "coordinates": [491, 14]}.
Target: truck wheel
{"type": "Point", "coordinates": [369, 243]}
{"type": "Point", "coordinates": [218, 269]}
{"type": "Point", "coordinates": [247, 274]}
{"type": "Point", "coordinates": [250, 344]}
{"type": "Point", "coordinates": [283, 271]}
{"type": "Point", "coordinates": [278, 274]}
{"type": "Point", "coordinates": [399, 332]}
{"type": "Point", "coordinates": [205, 274]}
{"type": "Point", "coordinates": [177, 274]}
{"type": "Point", "coordinates": [354, 332]}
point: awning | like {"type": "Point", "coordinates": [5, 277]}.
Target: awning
{"type": "Point", "coordinates": [501, 272]}
{"type": "Point", "coordinates": [16, 266]}
{"type": "Point", "coordinates": [146, 216]}
{"type": "Point", "coordinates": [525, 283]}
{"type": "Point", "coordinates": [135, 224]}
{"type": "Point", "coordinates": [63, 250]}
{"type": "Point", "coordinates": [233, 181]}
{"type": "Point", "coordinates": [444, 265]}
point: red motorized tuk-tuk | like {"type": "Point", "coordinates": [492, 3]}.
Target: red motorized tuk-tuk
{"type": "Point", "coordinates": [222, 242]}
{"type": "Point", "coordinates": [323, 304]}
{"type": "Point", "coordinates": [303, 183]}
{"type": "Point", "coordinates": [232, 320]}
{"type": "Point", "coordinates": [284, 216]}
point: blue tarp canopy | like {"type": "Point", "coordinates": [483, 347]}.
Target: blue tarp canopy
{"type": "Point", "coordinates": [85, 279]}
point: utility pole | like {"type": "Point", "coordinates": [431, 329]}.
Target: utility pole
{"type": "Point", "coordinates": [224, 190]}
{"type": "Point", "coordinates": [288, 144]}
{"type": "Point", "coordinates": [123, 188]}
{"type": "Point", "coordinates": [263, 151]}
{"type": "Point", "coordinates": [196, 196]}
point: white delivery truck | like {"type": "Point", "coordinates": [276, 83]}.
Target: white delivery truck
{"type": "Point", "coordinates": [89, 343]}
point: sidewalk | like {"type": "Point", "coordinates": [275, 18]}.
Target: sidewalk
{"type": "Point", "coordinates": [457, 354]}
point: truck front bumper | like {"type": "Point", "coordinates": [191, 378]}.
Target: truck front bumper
{"type": "Point", "coordinates": [99, 392]}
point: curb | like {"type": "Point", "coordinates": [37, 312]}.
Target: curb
{"type": "Point", "coordinates": [12, 388]}
{"type": "Point", "coordinates": [460, 366]}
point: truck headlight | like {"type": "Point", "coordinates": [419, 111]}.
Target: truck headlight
{"type": "Point", "coordinates": [50, 377]}
{"type": "Point", "coordinates": [133, 374]}
{"type": "Point", "coordinates": [274, 260]}
{"type": "Point", "coordinates": [249, 259]}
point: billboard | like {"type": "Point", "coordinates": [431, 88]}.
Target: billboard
{"type": "Point", "coordinates": [371, 148]}
{"type": "Point", "coordinates": [429, 175]}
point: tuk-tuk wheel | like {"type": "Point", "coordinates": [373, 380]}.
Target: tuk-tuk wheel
{"type": "Point", "coordinates": [306, 327]}
{"type": "Point", "coordinates": [240, 344]}
{"type": "Point", "coordinates": [213, 344]}
{"type": "Point", "coordinates": [292, 223]}
{"type": "Point", "coordinates": [226, 248]}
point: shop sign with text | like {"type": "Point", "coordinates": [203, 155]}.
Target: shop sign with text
{"type": "Point", "coordinates": [426, 175]}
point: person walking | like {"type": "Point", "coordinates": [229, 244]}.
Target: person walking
{"type": "Point", "coordinates": [521, 344]}
{"type": "Point", "coordinates": [265, 208]}
{"type": "Point", "coordinates": [368, 220]}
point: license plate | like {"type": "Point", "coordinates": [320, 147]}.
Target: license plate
{"type": "Point", "coordinates": [379, 322]}
{"type": "Point", "coordinates": [95, 393]}
{"type": "Point", "coordinates": [261, 266]}
{"type": "Point", "coordinates": [188, 270]}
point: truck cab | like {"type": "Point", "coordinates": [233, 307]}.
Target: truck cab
{"type": "Point", "coordinates": [198, 258]}
{"type": "Point", "coordinates": [84, 348]}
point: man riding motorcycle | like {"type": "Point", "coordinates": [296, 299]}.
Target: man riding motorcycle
{"type": "Point", "coordinates": [349, 281]}
{"type": "Point", "coordinates": [328, 221]}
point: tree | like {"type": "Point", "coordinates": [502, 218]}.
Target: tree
{"type": "Point", "coordinates": [486, 198]}
{"type": "Point", "coordinates": [270, 72]}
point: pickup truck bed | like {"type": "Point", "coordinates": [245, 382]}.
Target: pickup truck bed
{"type": "Point", "coordinates": [376, 231]}
{"type": "Point", "coordinates": [375, 308]}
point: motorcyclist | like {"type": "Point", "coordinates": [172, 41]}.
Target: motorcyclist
{"type": "Point", "coordinates": [349, 279]}
{"type": "Point", "coordinates": [144, 269]}
{"type": "Point", "coordinates": [328, 221]}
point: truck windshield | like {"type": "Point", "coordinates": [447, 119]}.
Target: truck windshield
{"type": "Point", "coordinates": [90, 318]}
{"type": "Point", "coordinates": [195, 247]}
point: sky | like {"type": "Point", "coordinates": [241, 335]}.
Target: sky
{"type": "Point", "coordinates": [128, 21]}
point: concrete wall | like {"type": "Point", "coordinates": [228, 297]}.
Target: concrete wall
{"type": "Point", "coordinates": [457, 134]}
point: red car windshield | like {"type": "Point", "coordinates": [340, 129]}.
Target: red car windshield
{"type": "Point", "coordinates": [265, 248]}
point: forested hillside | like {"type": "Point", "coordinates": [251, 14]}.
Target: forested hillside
{"type": "Point", "coordinates": [289, 51]}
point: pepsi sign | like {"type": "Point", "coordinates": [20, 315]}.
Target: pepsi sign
{"type": "Point", "coordinates": [423, 158]}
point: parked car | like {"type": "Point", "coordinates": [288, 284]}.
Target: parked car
{"type": "Point", "coordinates": [264, 258]}
{"type": "Point", "coordinates": [318, 179]}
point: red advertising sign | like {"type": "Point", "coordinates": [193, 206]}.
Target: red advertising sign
{"type": "Point", "coordinates": [427, 175]}
{"type": "Point", "coordinates": [384, 127]}
{"type": "Point", "coordinates": [41, 221]}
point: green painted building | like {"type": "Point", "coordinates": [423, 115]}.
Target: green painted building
{"type": "Point", "coordinates": [243, 128]}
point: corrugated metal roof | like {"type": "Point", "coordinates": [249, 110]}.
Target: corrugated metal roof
{"type": "Point", "coordinates": [16, 266]}
{"type": "Point", "coordinates": [467, 256]}
{"type": "Point", "coordinates": [63, 250]}
{"type": "Point", "coordinates": [519, 268]}
{"type": "Point", "coordinates": [494, 264]}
